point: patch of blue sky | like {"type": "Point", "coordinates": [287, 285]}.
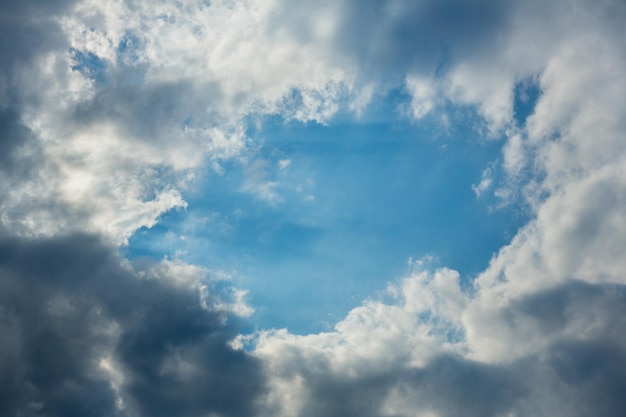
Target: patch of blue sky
{"type": "Point", "coordinates": [356, 200]}
{"type": "Point", "coordinates": [130, 69]}
{"type": "Point", "coordinates": [90, 65]}
{"type": "Point", "coordinates": [526, 95]}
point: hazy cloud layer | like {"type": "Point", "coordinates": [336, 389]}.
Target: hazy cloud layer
{"type": "Point", "coordinates": [109, 111]}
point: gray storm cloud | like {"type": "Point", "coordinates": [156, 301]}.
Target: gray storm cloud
{"type": "Point", "coordinates": [84, 335]}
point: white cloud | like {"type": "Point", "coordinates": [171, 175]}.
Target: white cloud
{"type": "Point", "coordinates": [486, 180]}
{"type": "Point", "coordinates": [284, 163]}
{"type": "Point", "coordinates": [575, 144]}
{"type": "Point", "coordinates": [164, 92]}
{"type": "Point", "coordinates": [423, 95]}
{"type": "Point", "coordinates": [421, 324]}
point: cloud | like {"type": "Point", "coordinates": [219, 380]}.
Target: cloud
{"type": "Point", "coordinates": [485, 183]}
{"type": "Point", "coordinates": [122, 102]}
{"type": "Point", "coordinates": [85, 333]}
{"type": "Point", "coordinates": [412, 356]}
{"type": "Point", "coordinates": [538, 331]}
{"type": "Point", "coordinates": [107, 109]}
{"type": "Point", "coordinates": [165, 89]}
{"type": "Point", "coordinates": [284, 163]}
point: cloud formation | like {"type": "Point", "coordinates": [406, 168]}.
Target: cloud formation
{"type": "Point", "coordinates": [407, 358]}
{"type": "Point", "coordinates": [109, 111]}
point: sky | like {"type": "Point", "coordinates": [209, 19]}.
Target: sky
{"type": "Point", "coordinates": [313, 208]}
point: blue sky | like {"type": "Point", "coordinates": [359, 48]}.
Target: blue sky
{"type": "Point", "coordinates": [359, 198]}
{"type": "Point", "coordinates": [269, 208]}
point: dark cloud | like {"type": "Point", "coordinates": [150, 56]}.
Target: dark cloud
{"type": "Point", "coordinates": [449, 386]}
{"type": "Point", "coordinates": [149, 112]}
{"type": "Point", "coordinates": [570, 378]}
{"type": "Point", "coordinates": [388, 39]}
{"type": "Point", "coordinates": [345, 396]}
{"type": "Point", "coordinates": [406, 35]}
{"type": "Point", "coordinates": [68, 303]}
{"type": "Point", "coordinates": [18, 148]}
{"type": "Point", "coordinates": [27, 29]}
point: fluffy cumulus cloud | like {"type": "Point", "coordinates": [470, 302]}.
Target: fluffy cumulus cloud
{"type": "Point", "coordinates": [109, 111]}
{"type": "Point", "coordinates": [555, 352]}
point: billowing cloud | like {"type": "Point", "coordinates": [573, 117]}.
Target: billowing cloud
{"type": "Point", "coordinates": [410, 357]}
